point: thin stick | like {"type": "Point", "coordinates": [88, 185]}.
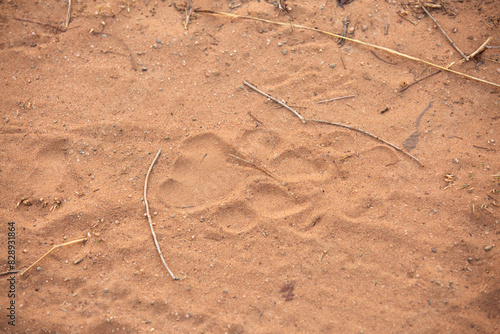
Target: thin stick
{"type": "Point", "coordinates": [50, 251]}
{"type": "Point", "coordinates": [275, 100]}
{"type": "Point", "coordinates": [344, 31]}
{"type": "Point", "coordinates": [234, 16]}
{"type": "Point", "coordinates": [304, 120]}
{"type": "Point", "coordinates": [417, 81]}
{"type": "Point", "coordinates": [447, 37]}
{"type": "Point", "coordinates": [41, 23]}
{"type": "Point", "coordinates": [337, 98]}
{"type": "Point", "coordinates": [121, 40]}
{"type": "Point", "coordinates": [407, 19]}
{"type": "Point", "coordinates": [479, 49]}
{"type": "Point", "coordinates": [343, 65]}
{"type": "Point", "coordinates": [255, 118]}
{"type": "Point", "coordinates": [254, 165]}
{"type": "Point", "coordinates": [188, 9]}
{"type": "Point", "coordinates": [69, 13]}
{"type": "Point", "coordinates": [492, 60]}
{"type": "Point", "coordinates": [9, 272]}
{"type": "Point", "coordinates": [149, 216]}
{"type": "Point", "coordinates": [368, 134]}
{"type": "Point", "coordinates": [385, 61]}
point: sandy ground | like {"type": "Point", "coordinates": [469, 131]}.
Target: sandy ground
{"type": "Point", "coordinates": [315, 228]}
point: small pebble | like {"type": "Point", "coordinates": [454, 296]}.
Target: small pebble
{"type": "Point", "coordinates": [106, 290]}
{"type": "Point", "coordinates": [434, 250]}
{"type": "Point", "coordinates": [332, 65]}
{"type": "Point", "coordinates": [38, 268]}
{"type": "Point", "coordinates": [488, 248]}
{"type": "Point", "coordinates": [285, 52]}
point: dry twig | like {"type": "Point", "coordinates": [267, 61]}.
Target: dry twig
{"type": "Point", "coordinates": [446, 35]}
{"type": "Point", "coordinates": [41, 23]}
{"type": "Point", "coordinates": [304, 120]}
{"type": "Point", "coordinates": [149, 215]}
{"type": "Point", "coordinates": [69, 14]}
{"type": "Point", "coordinates": [417, 81]}
{"type": "Point", "coordinates": [9, 272]}
{"type": "Point", "coordinates": [479, 50]}
{"type": "Point", "coordinates": [368, 134]}
{"type": "Point", "coordinates": [337, 98]}
{"type": "Point", "coordinates": [263, 170]}
{"type": "Point", "coordinates": [275, 100]}
{"type": "Point", "coordinates": [385, 61]}
{"type": "Point", "coordinates": [50, 251]}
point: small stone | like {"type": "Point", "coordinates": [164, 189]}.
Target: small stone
{"type": "Point", "coordinates": [488, 248]}
{"type": "Point", "coordinates": [454, 30]}
{"type": "Point", "coordinates": [106, 290]}
{"type": "Point", "coordinates": [38, 268]}
{"type": "Point", "coordinates": [144, 69]}
{"type": "Point", "coordinates": [285, 52]}
{"type": "Point", "coordinates": [434, 250]}
{"type": "Point", "coordinates": [332, 65]}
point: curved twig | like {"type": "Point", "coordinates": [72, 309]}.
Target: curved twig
{"type": "Point", "coordinates": [149, 216]}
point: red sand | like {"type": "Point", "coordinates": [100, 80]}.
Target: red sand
{"type": "Point", "coordinates": [327, 230]}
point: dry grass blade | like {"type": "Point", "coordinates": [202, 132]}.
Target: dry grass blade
{"type": "Point", "coordinates": [298, 26]}
{"type": "Point", "coordinates": [50, 251]}
{"type": "Point", "coordinates": [149, 215]}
